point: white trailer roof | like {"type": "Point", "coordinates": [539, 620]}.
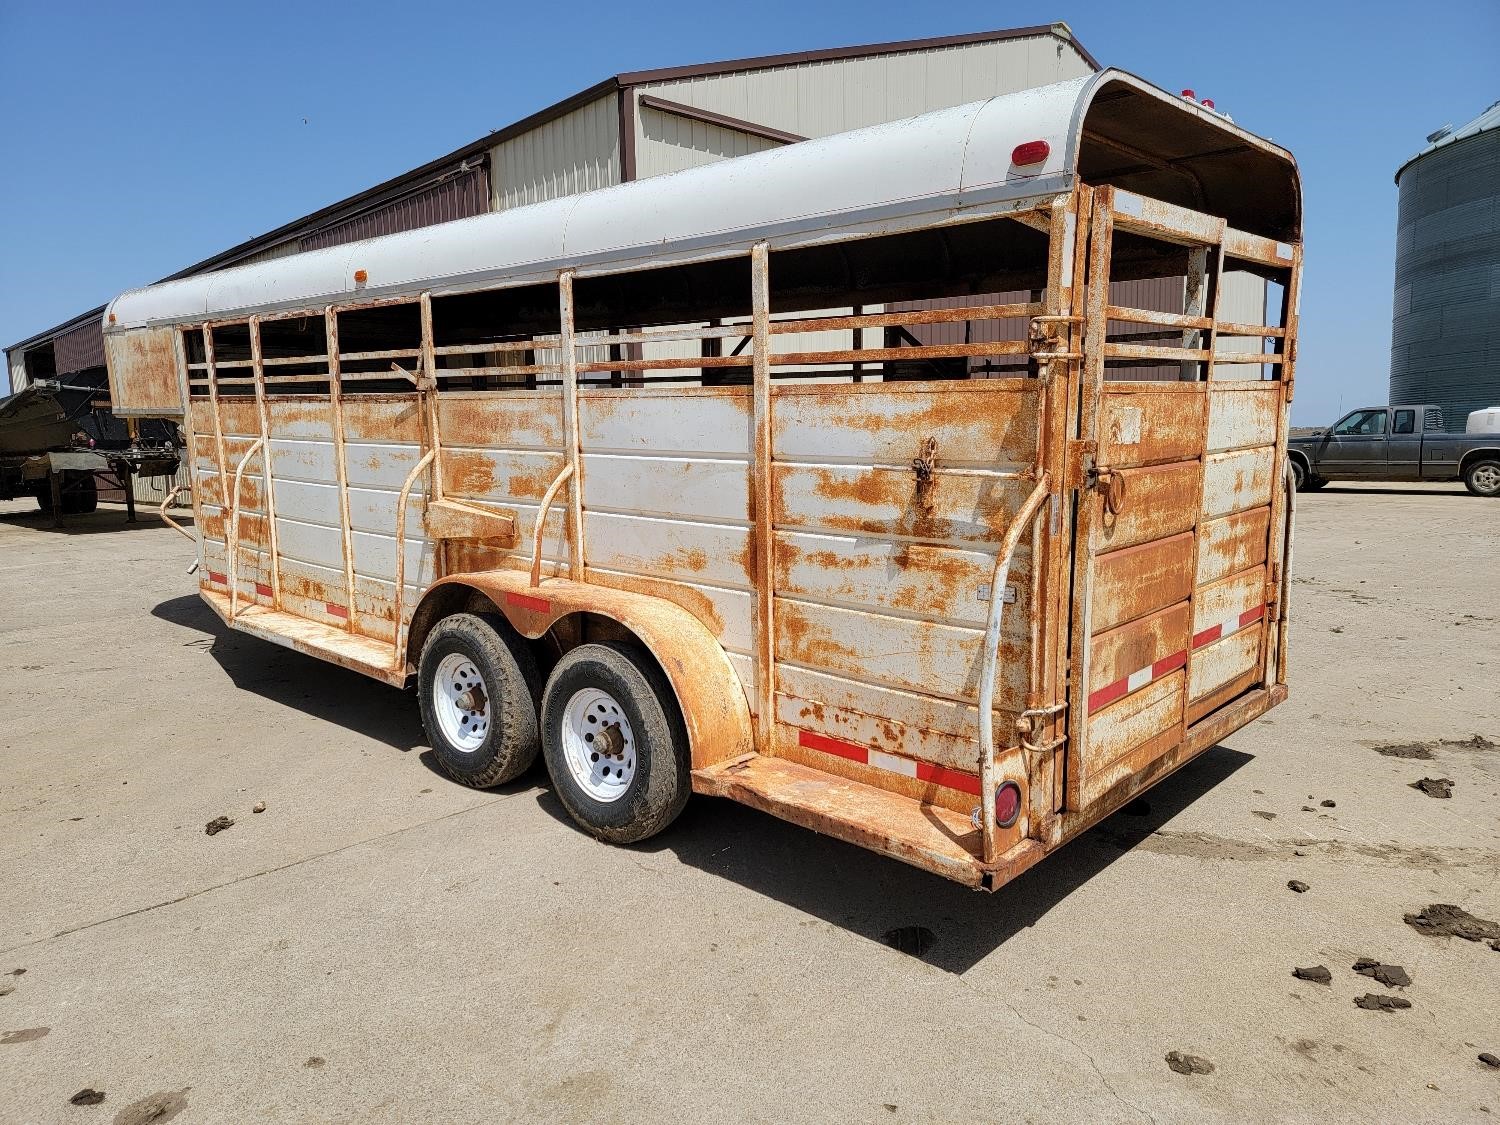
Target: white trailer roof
{"type": "Point", "coordinates": [951, 164]}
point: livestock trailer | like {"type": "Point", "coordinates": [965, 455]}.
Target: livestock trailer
{"type": "Point", "coordinates": [915, 484]}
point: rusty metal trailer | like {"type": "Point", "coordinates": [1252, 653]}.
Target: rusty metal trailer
{"type": "Point", "coordinates": [836, 480]}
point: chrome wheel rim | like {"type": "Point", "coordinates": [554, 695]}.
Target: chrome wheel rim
{"type": "Point", "coordinates": [1487, 478]}
{"type": "Point", "coordinates": [598, 745]}
{"type": "Point", "coordinates": [461, 703]}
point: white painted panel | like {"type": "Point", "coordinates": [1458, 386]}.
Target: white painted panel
{"type": "Point", "coordinates": [375, 557]}
{"type": "Point", "coordinates": [715, 554]}
{"type": "Point", "coordinates": [1235, 481]}
{"type": "Point", "coordinates": [687, 487]}
{"type": "Point", "coordinates": [309, 503]}
{"type": "Point", "coordinates": [310, 542]}
{"type": "Point", "coordinates": [1216, 664]}
{"type": "Point", "coordinates": [303, 460]}
{"type": "Point", "coordinates": [909, 654]}
{"type": "Point", "coordinates": [1241, 416]}
{"type": "Point", "coordinates": [380, 466]}
{"type": "Point", "coordinates": [666, 422]}
{"type": "Point", "coordinates": [877, 574]}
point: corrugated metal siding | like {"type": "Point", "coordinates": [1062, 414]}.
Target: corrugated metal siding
{"type": "Point", "coordinates": [1445, 334]}
{"type": "Point", "coordinates": [17, 360]}
{"type": "Point", "coordinates": [822, 98]}
{"type": "Point", "coordinates": [457, 197]}
{"type": "Point", "coordinates": [678, 143]}
{"type": "Point", "coordinates": [280, 250]}
{"type": "Point", "coordinates": [579, 151]}
{"type": "Point", "coordinates": [81, 348]}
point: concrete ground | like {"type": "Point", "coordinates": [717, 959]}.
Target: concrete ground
{"type": "Point", "coordinates": [383, 945]}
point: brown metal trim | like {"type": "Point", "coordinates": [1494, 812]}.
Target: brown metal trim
{"type": "Point", "coordinates": [627, 114]}
{"type": "Point", "coordinates": [869, 50]}
{"type": "Point", "coordinates": [708, 117]}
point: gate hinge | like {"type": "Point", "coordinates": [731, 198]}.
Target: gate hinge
{"type": "Point", "coordinates": [1080, 457]}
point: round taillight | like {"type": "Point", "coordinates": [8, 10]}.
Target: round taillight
{"type": "Point", "coordinates": [1007, 804]}
{"type": "Point", "coordinates": [1032, 152]}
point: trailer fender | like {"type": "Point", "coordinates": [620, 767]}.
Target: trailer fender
{"type": "Point", "coordinates": [709, 693]}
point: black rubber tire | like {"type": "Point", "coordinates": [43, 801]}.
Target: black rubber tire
{"type": "Point", "coordinates": [1472, 473]}
{"type": "Point", "coordinates": [660, 788]}
{"type": "Point", "coordinates": [509, 675]}
{"type": "Point", "coordinates": [1315, 483]}
{"type": "Point", "coordinates": [1299, 476]}
{"type": "Point", "coordinates": [80, 493]}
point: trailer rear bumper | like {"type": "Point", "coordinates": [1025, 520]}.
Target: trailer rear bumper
{"type": "Point", "coordinates": [936, 839]}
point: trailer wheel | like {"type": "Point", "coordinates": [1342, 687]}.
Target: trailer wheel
{"type": "Point", "coordinates": [1482, 478]}
{"type": "Point", "coordinates": [478, 683]}
{"type": "Point", "coordinates": [614, 742]}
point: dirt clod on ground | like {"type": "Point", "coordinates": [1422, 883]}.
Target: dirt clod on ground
{"type": "Point", "coordinates": [1297, 885]}
{"type": "Point", "coordinates": [1478, 742]}
{"type": "Point", "coordinates": [1318, 974]}
{"type": "Point", "coordinates": [1417, 750]}
{"type": "Point", "coordinates": [1489, 1059]}
{"type": "Point", "coordinates": [1443, 919]}
{"type": "Point", "coordinates": [1184, 1063]}
{"type": "Point", "coordinates": [915, 940]}
{"type": "Point", "coordinates": [258, 807]}
{"type": "Point", "coordinates": [1328, 803]}
{"type": "Point", "coordinates": [154, 1109]}
{"type": "Point", "coordinates": [315, 1063]}
{"type": "Point", "coordinates": [1392, 976]}
{"type": "Point", "coordinates": [1377, 1003]}
{"type": "Point", "coordinates": [1262, 814]}
{"type": "Point", "coordinates": [217, 825]}
{"type": "Point", "coordinates": [1435, 786]}
{"type": "Point", "coordinates": [87, 1096]}
{"type": "Point", "coordinates": [16, 973]}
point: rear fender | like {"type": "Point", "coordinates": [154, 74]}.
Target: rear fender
{"type": "Point", "coordinates": [708, 690]}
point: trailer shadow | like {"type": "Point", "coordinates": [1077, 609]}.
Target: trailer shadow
{"type": "Point", "coordinates": [877, 897]}
{"type": "Point", "coordinates": [104, 520]}
{"type": "Point", "coordinates": [315, 687]}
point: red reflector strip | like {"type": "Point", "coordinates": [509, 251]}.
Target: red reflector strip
{"type": "Point", "coordinates": [1229, 626]}
{"type": "Point", "coordinates": [1167, 664]}
{"type": "Point", "coordinates": [336, 610]}
{"type": "Point", "coordinates": [879, 759]}
{"type": "Point", "coordinates": [828, 745]}
{"type": "Point", "coordinates": [529, 601]}
{"type": "Point", "coordinates": [217, 578]}
{"type": "Point", "coordinates": [262, 589]}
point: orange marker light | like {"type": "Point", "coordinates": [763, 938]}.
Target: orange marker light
{"type": "Point", "coordinates": [360, 277]}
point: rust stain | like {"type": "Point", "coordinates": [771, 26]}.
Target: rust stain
{"type": "Point", "coordinates": [695, 601]}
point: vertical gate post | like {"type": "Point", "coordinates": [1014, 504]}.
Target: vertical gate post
{"type": "Point", "coordinates": [765, 535]}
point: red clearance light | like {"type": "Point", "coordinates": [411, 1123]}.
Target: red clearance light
{"type": "Point", "coordinates": [1032, 152]}
{"type": "Point", "coordinates": [1190, 96]}
{"type": "Point", "coordinates": [1007, 804]}
{"type": "Point", "coordinates": [1208, 103]}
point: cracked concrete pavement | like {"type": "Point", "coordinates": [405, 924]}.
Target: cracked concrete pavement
{"type": "Point", "coordinates": [464, 956]}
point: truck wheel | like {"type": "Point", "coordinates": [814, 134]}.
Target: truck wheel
{"type": "Point", "coordinates": [1315, 483]}
{"type": "Point", "coordinates": [614, 742]}
{"type": "Point", "coordinates": [1299, 476]}
{"type": "Point", "coordinates": [80, 493]}
{"type": "Point", "coordinates": [477, 682]}
{"type": "Point", "coordinates": [1482, 478]}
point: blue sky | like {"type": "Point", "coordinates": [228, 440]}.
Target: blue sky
{"type": "Point", "coordinates": [140, 138]}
